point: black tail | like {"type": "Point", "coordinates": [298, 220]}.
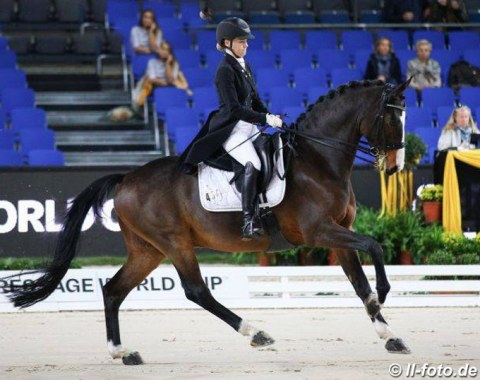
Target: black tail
{"type": "Point", "coordinates": [93, 196]}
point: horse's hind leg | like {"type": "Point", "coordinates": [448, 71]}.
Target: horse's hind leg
{"type": "Point", "coordinates": [196, 291]}
{"type": "Point", "coordinates": [352, 267]}
{"type": "Point", "coordinates": [142, 259]}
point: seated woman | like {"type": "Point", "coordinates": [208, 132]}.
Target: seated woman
{"type": "Point", "coordinates": [161, 72]}
{"type": "Point", "coordinates": [383, 63]}
{"type": "Point", "coordinates": [146, 37]}
{"type": "Point", "coordinates": [457, 131]}
{"type": "Point", "coordinates": [425, 70]}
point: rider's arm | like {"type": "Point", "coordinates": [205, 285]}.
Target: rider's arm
{"type": "Point", "coordinates": [225, 82]}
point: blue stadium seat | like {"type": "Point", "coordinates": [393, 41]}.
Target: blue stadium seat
{"type": "Point", "coordinates": [170, 26]}
{"type": "Point", "coordinates": [17, 97]}
{"type": "Point", "coordinates": [261, 59]}
{"type": "Point", "coordinates": [203, 98]}
{"type": "Point", "coordinates": [299, 17]}
{"type": "Point", "coordinates": [10, 157]}
{"type": "Point", "coordinates": [436, 97]}
{"type": "Point", "coordinates": [212, 59]}
{"type": "Point", "coordinates": [284, 39]}
{"type": "Point", "coordinates": [175, 116]}
{"type": "Point", "coordinates": [399, 38]}
{"type": "Point", "coordinates": [222, 15]}
{"type": "Point", "coordinates": [295, 59]}
{"type": "Point", "coordinates": [418, 117]}
{"type": "Point", "coordinates": [3, 44]}
{"type": "Point", "coordinates": [292, 113]}
{"type": "Point", "coordinates": [372, 16]}
{"type": "Point", "coordinates": [320, 40]}
{"type": "Point", "coordinates": [7, 139]}
{"type": "Point", "coordinates": [342, 76]}
{"type": "Point", "coordinates": [282, 96]}
{"type": "Point", "coordinates": [360, 59]}
{"type": "Point", "coordinates": [12, 78]}
{"type": "Point", "coordinates": [187, 58]}
{"type": "Point", "coordinates": [430, 137]}
{"type": "Point", "coordinates": [315, 92]}
{"type": "Point", "coordinates": [404, 56]}
{"type": "Point", "coordinates": [198, 77]}
{"type": "Point", "coordinates": [8, 59]}
{"type": "Point", "coordinates": [179, 39]}
{"type": "Point", "coordinates": [470, 96]}
{"type": "Point", "coordinates": [36, 139]}
{"type": "Point", "coordinates": [189, 11]}
{"type": "Point", "coordinates": [3, 119]}
{"type": "Point", "coordinates": [411, 98]}
{"type": "Point", "coordinates": [443, 114]}
{"type": "Point", "coordinates": [139, 65]}
{"type": "Point", "coordinates": [436, 38]}
{"type": "Point", "coordinates": [306, 77]}
{"type": "Point", "coordinates": [183, 137]}
{"type": "Point", "coordinates": [472, 57]}
{"type": "Point", "coordinates": [265, 17]}
{"type": "Point", "coordinates": [445, 58]}
{"type": "Point", "coordinates": [205, 40]}
{"type": "Point", "coordinates": [161, 9]}
{"type": "Point", "coordinates": [353, 40]}
{"type": "Point", "coordinates": [267, 78]}
{"type": "Point", "coordinates": [476, 112]}
{"type": "Point", "coordinates": [117, 9]}
{"type": "Point", "coordinates": [45, 157]}
{"type": "Point", "coordinates": [169, 97]}
{"type": "Point", "coordinates": [332, 59]}
{"type": "Point", "coordinates": [28, 118]}
{"type": "Point", "coordinates": [462, 40]}
{"type": "Point", "coordinates": [334, 17]}
{"type": "Point", "coordinates": [258, 43]}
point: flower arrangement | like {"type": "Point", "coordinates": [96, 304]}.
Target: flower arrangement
{"type": "Point", "coordinates": [432, 193]}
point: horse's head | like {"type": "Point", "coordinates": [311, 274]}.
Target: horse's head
{"type": "Point", "coordinates": [387, 136]}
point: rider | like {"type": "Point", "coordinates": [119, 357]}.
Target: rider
{"type": "Point", "coordinates": [234, 123]}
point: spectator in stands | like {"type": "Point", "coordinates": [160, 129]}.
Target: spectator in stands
{"type": "Point", "coordinates": [399, 11]}
{"type": "Point", "coordinates": [146, 37]}
{"type": "Point", "coordinates": [457, 131]}
{"type": "Point", "coordinates": [448, 11]}
{"type": "Point", "coordinates": [383, 63]}
{"type": "Point", "coordinates": [161, 72]}
{"type": "Point", "coordinates": [425, 70]}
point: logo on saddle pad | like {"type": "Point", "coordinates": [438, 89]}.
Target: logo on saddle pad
{"type": "Point", "coordinates": [217, 194]}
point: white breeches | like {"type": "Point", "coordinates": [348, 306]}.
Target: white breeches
{"type": "Point", "coordinates": [246, 151]}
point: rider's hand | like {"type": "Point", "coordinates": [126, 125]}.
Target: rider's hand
{"type": "Point", "coordinates": [274, 121]}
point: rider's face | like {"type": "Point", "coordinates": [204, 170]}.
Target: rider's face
{"type": "Point", "coordinates": [239, 47]}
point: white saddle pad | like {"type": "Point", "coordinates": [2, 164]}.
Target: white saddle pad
{"type": "Point", "coordinates": [216, 193]}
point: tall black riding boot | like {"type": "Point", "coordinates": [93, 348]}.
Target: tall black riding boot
{"type": "Point", "coordinates": [251, 225]}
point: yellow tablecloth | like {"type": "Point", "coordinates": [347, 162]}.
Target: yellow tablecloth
{"type": "Point", "coordinates": [452, 211]}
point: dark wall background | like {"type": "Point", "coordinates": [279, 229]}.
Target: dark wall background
{"type": "Point", "coordinates": [62, 183]}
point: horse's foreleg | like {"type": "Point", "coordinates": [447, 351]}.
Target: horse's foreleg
{"type": "Point", "coordinates": [335, 236]}
{"type": "Point", "coordinates": [196, 291]}
{"type": "Point", "coordinates": [142, 259]}
{"type": "Point", "coordinates": [352, 267]}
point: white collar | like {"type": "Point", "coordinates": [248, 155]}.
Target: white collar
{"type": "Point", "coordinates": [239, 60]}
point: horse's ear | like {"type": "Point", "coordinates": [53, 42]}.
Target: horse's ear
{"type": "Point", "coordinates": [402, 87]}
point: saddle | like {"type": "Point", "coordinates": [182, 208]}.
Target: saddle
{"type": "Point", "coordinates": [268, 149]}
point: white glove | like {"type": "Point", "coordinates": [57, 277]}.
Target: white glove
{"type": "Point", "coordinates": [274, 121]}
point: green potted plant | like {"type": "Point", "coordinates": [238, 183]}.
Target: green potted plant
{"type": "Point", "coordinates": [431, 197]}
{"type": "Point", "coordinates": [408, 229]}
{"type": "Point", "coordinates": [415, 149]}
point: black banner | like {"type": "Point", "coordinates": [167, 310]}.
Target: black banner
{"type": "Point", "coordinates": [32, 201]}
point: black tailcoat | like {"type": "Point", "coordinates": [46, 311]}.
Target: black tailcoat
{"type": "Point", "coordinates": [238, 100]}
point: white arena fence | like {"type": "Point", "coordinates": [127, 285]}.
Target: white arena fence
{"type": "Point", "coordinates": [265, 287]}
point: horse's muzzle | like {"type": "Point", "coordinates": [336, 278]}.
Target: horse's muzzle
{"type": "Point", "coordinates": [392, 170]}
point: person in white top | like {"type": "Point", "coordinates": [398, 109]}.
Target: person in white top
{"type": "Point", "coordinates": [146, 37]}
{"type": "Point", "coordinates": [425, 70]}
{"type": "Point", "coordinates": [457, 131]}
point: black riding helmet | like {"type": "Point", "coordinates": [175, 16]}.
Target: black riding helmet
{"type": "Point", "coordinates": [231, 28]}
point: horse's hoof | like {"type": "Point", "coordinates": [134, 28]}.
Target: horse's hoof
{"type": "Point", "coordinates": [261, 339]}
{"type": "Point", "coordinates": [372, 306]}
{"type": "Point", "coordinates": [396, 346]}
{"type": "Point", "coordinates": [133, 358]}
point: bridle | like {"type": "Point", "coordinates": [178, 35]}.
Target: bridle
{"type": "Point", "coordinates": [377, 151]}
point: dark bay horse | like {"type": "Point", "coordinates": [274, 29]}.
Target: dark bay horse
{"type": "Point", "coordinates": [160, 214]}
